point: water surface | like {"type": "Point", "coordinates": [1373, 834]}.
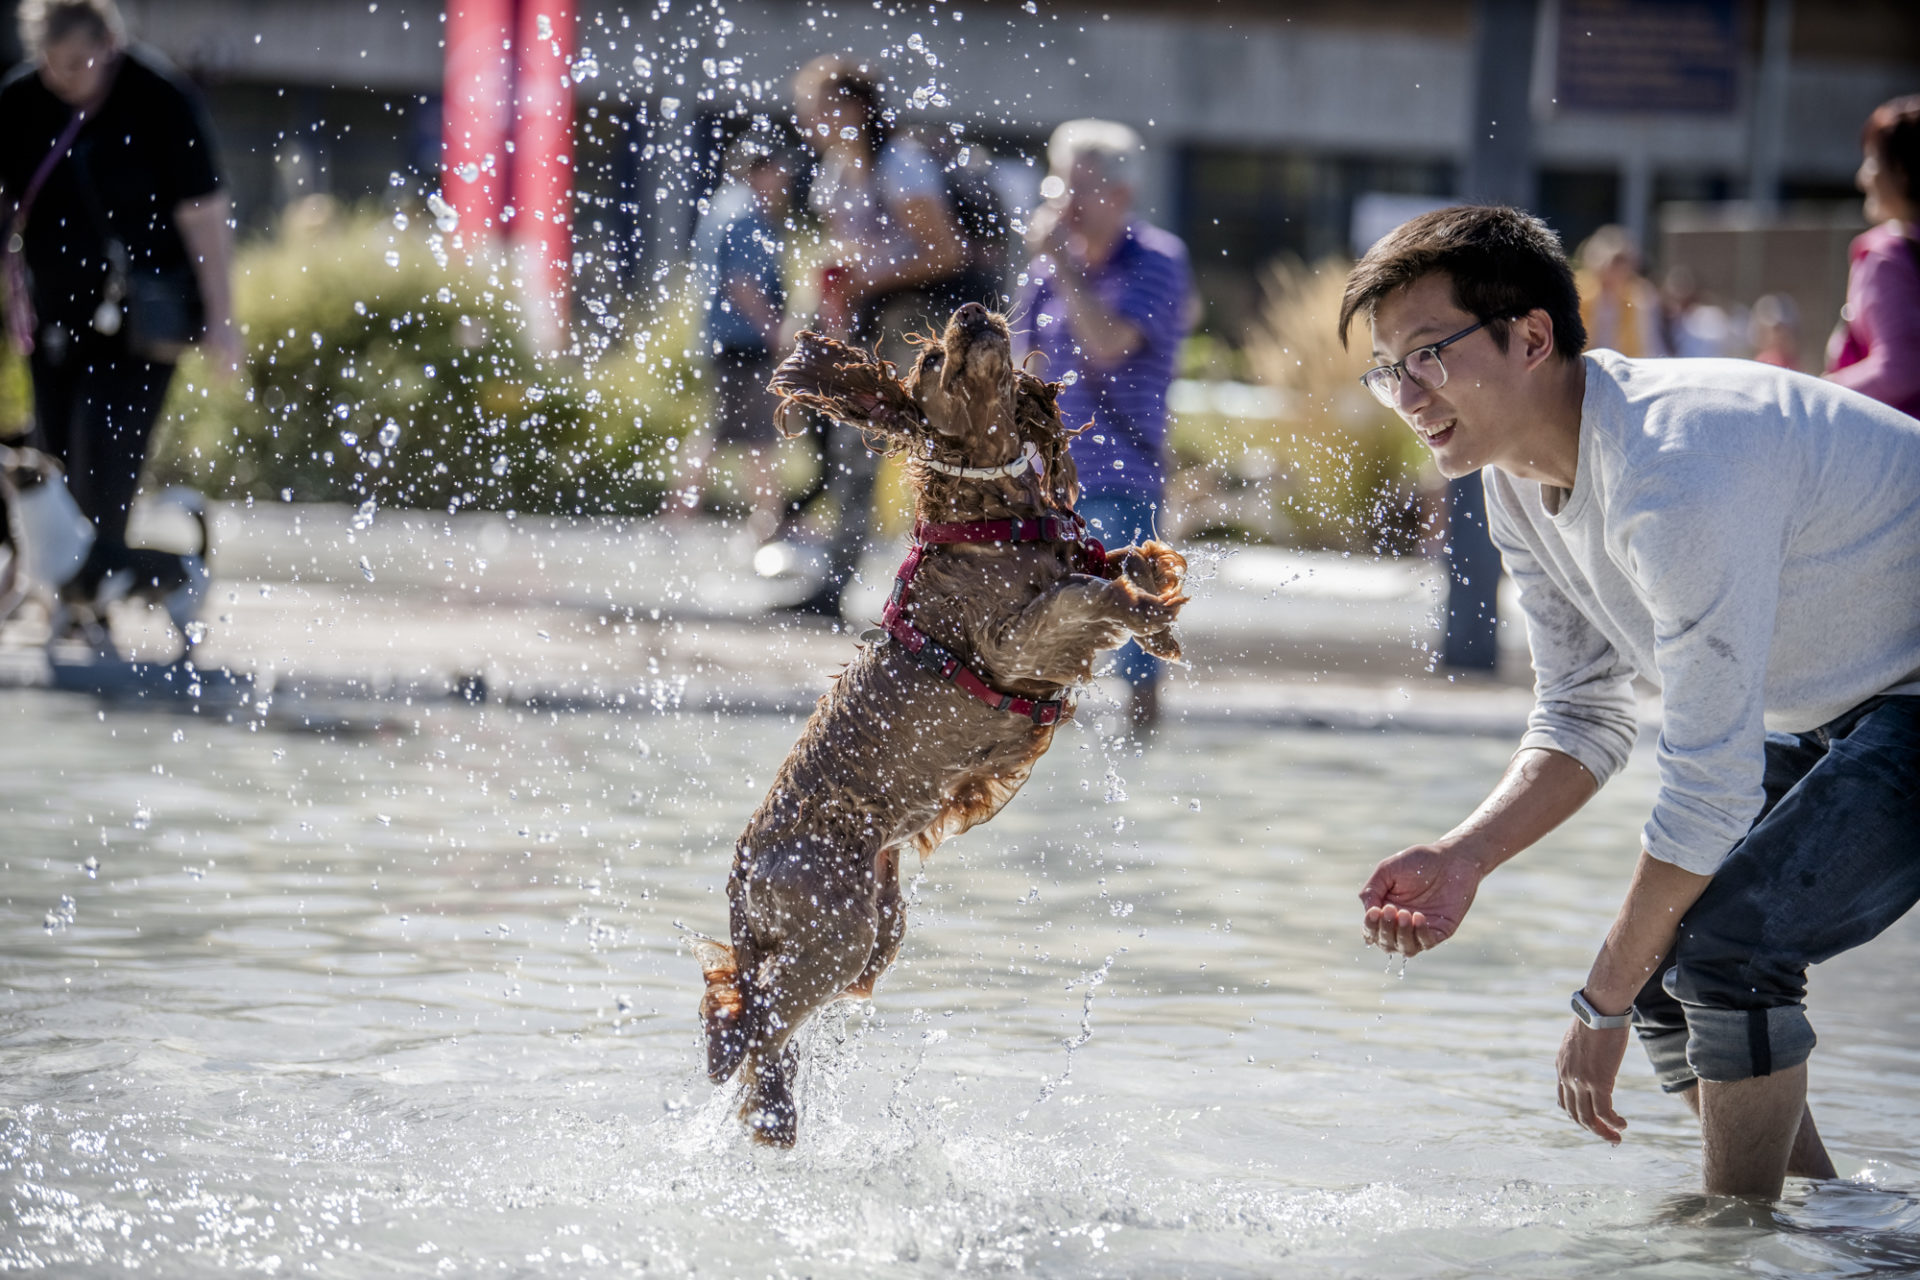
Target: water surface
{"type": "Point", "coordinates": [412, 1001]}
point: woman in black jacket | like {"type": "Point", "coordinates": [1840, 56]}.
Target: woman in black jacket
{"type": "Point", "coordinates": [117, 248]}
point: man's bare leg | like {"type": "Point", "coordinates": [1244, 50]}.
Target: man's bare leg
{"type": "Point", "coordinates": [1808, 1159]}
{"type": "Point", "coordinates": [1749, 1131]}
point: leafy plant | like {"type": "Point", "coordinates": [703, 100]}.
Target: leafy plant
{"type": "Point", "coordinates": [386, 359]}
{"type": "Point", "coordinates": [1350, 473]}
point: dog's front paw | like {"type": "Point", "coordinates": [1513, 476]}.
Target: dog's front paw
{"type": "Point", "coordinates": [1154, 567]}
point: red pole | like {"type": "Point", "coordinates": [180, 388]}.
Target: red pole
{"type": "Point", "coordinates": [541, 191]}
{"type": "Point", "coordinates": [477, 113]}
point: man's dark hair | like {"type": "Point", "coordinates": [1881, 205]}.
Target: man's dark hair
{"type": "Point", "coordinates": [1892, 136]}
{"type": "Point", "coordinates": [1503, 263]}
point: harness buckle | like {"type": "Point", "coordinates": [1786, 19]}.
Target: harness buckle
{"type": "Point", "coordinates": [1045, 713]}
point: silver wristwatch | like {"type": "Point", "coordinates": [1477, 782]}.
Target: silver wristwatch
{"type": "Point", "coordinates": [1599, 1021]}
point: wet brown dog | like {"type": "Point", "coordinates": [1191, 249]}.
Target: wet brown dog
{"type": "Point", "coordinates": [895, 755]}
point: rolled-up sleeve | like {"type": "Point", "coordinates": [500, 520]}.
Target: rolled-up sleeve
{"type": "Point", "coordinates": [1583, 704]}
{"type": "Point", "coordinates": [1703, 541]}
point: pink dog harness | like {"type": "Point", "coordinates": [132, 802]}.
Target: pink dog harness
{"type": "Point", "coordinates": [939, 660]}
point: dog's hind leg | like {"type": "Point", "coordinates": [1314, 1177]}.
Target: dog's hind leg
{"type": "Point", "coordinates": [812, 933]}
{"type": "Point", "coordinates": [721, 1007]}
{"type": "Point", "coordinates": [890, 912]}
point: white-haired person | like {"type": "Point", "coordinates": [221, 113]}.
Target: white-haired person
{"type": "Point", "coordinates": [1107, 305]}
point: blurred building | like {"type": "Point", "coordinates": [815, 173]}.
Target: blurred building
{"type": "Point", "coordinates": [1276, 127]}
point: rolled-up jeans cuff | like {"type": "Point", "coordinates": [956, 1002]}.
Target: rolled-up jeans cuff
{"type": "Point", "coordinates": [1724, 1045]}
{"type": "Point", "coordinates": [1667, 1049]}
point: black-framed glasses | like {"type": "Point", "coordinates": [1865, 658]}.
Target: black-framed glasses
{"type": "Point", "coordinates": [1422, 364]}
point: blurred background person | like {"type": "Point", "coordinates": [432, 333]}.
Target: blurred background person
{"type": "Point", "coordinates": [897, 262]}
{"type": "Point", "coordinates": [1773, 331]}
{"type": "Point", "coordinates": [117, 249]}
{"type": "Point", "coordinates": [1695, 327]}
{"type": "Point", "coordinates": [1108, 305]}
{"type": "Point", "coordinates": [1876, 349]}
{"type": "Point", "coordinates": [1620, 306]}
{"type": "Point", "coordinates": [744, 317]}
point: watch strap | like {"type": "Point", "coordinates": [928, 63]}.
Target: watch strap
{"type": "Point", "coordinates": [1583, 1009]}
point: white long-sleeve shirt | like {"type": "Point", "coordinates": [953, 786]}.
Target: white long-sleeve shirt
{"type": "Point", "coordinates": [1743, 537]}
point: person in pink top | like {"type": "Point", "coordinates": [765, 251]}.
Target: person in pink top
{"type": "Point", "coordinates": [1876, 348]}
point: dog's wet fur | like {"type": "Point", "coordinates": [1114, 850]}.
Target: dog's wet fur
{"type": "Point", "coordinates": [894, 757]}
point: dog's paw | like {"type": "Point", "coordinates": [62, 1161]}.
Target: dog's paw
{"type": "Point", "coordinates": [768, 1111]}
{"type": "Point", "coordinates": [722, 1008]}
{"type": "Point", "coordinates": [1152, 566]}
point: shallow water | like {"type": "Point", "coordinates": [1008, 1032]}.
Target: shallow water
{"type": "Point", "coordinates": [414, 1002]}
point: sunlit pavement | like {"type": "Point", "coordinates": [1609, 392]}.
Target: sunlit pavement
{"type": "Point", "coordinates": [316, 602]}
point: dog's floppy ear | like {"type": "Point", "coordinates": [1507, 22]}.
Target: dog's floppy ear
{"type": "Point", "coordinates": [845, 383]}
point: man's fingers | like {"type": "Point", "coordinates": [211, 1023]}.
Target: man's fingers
{"type": "Point", "coordinates": [1595, 1112]}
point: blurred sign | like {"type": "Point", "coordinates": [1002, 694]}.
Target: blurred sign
{"type": "Point", "coordinates": [1648, 56]}
{"type": "Point", "coordinates": [1377, 212]}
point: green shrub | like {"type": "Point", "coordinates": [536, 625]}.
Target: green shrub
{"type": "Point", "coordinates": [382, 361]}
{"type": "Point", "coordinates": [1350, 474]}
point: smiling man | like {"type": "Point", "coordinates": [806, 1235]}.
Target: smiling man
{"type": "Point", "coordinates": [1747, 540]}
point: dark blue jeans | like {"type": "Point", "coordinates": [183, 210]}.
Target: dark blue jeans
{"type": "Point", "coordinates": [1833, 859]}
{"type": "Point", "coordinates": [1120, 519]}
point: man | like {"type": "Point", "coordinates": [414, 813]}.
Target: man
{"type": "Point", "coordinates": [1746, 539]}
{"type": "Point", "coordinates": [1107, 306]}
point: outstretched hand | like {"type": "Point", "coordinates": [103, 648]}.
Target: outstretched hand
{"type": "Point", "coordinates": [1416, 899]}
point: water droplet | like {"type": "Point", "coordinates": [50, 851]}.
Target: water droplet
{"type": "Point", "coordinates": [386, 820]}
{"type": "Point", "coordinates": [642, 66]}
{"type": "Point", "coordinates": [142, 818]}
{"type": "Point", "coordinates": [393, 258]}
{"type": "Point", "coordinates": [92, 867]}
{"type": "Point", "coordinates": [669, 108]}
{"type": "Point", "coordinates": [366, 570]}
{"type": "Point", "coordinates": [585, 68]}
{"type": "Point", "coordinates": [390, 434]}
{"type": "Point", "coordinates": [445, 217]}
{"type": "Point", "coordinates": [1194, 805]}
{"type": "Point", "coordinates": [500, 465]}
{"type": "Point", "coordinates": [399, 219]}
{"type": "Point", "coordinates": [543, 26]}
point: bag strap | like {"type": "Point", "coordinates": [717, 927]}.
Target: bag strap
{"type": "Point", "coordinates": [20, 318]}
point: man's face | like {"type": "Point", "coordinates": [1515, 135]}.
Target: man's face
{"type": "Point", "coordinates": [75, 69]}
{"type": "Point", "coordinates": [1469, 422]}
{"type": "Point", "coordinates": [1096, 208]}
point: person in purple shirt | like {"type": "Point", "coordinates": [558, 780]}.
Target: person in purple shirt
{"type": "Point", "coordinates": [1106, 302]}
{"type": "Point", "coordinates": [1876, 349]}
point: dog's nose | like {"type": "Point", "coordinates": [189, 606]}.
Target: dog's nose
{"type": "Point", "coordinates": [973, 317]}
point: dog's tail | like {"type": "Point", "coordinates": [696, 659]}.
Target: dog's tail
{"type": "Point", "coordinates": [723, 1007]}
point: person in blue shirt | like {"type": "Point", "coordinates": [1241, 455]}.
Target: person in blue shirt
{"type": "Point", "coordinates": [1107, 303]}
{"type": "Point", "coordinates": [743, 329]}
